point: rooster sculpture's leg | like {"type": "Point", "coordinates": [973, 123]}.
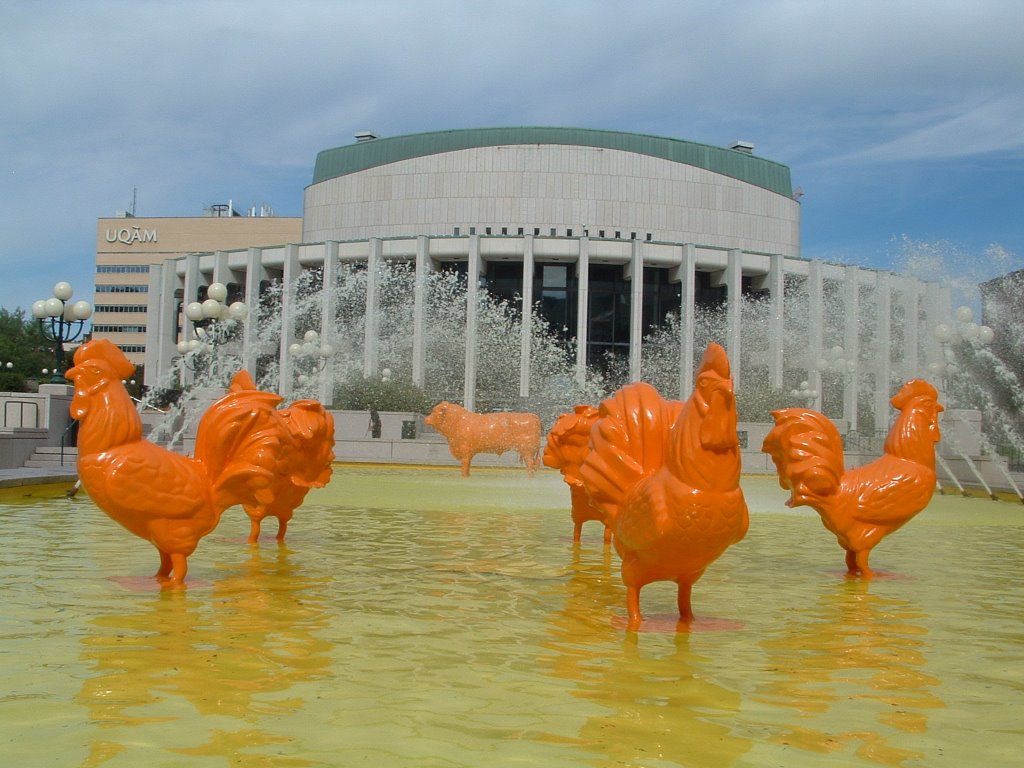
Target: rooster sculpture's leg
{"type": "Point", "coordinates": [164, 571]}
{"type": "Point", "coordinates": [857, 563]}
{"type": "Point", "coordinates": [633, 607]}
{"type": "Point", "coordinates": [607, 535]}
{"type": "Point", "coordinates": [685, 611]}
{"type": "Point", "coordinates": [172, 563]}
{"type": "Point", "coordinates": [254, 531]}
{"type": "Point", "coordinates": [180, 568]}
{"type": "Point", "coordinates": [862, 564]}
{"type": "Point", "coordinates": [577, 533]}
{"type": "Point", "coordinates": [282, 528]}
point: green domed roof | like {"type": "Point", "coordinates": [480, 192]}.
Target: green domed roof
{"type": "Point", "coordinates": [352, 158]}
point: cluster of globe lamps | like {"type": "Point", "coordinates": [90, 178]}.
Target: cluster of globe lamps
{"type": "Point", "coordinates": [310, 348]}
{"type": "Point", "coordinates": [61, 322]}
{"type": "Point", "coordinates": [833, 360]}
{"type": "Point", "coordinates": [213, 309]}
{"type": "Point", "coordinates": [965, 329]}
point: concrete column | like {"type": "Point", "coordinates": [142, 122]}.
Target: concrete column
{"type": "Point", "coordinates": [883, 352]}
{"type": "Point", "coordinates": [636, 306]}
{"type": "Point", "coordinates": [371, 337]}
{"type": "Point", "coordinates": [419, 312]}
{"type": "Point", "coordinates": [911, 363]}
{"type": "Point", "coordinates": [472, 290]}
{"type": "Point", "coordinates": [938, 309]}
{"type": "Point", "coordinates": [254, 273]}
{"type": "Point", "coordinates": [733, 307]}
{"type": "Point", "coordinates": [526, 332]}
{"type": "Point", "coordinates": [190, 292]}
{"type": "Point", "coordinates": [328, 299]}
{"type": "Point", "coordinates": [292, 269]}
{"type": "Point", "coordinates": [161, 328]}
{"type": "Point", "coordinates": [777, 329]}
{"type": "Point", "coordinates": [582, 309]}
{"type": "Point", "coordinates": [221, 271]}
{"type": "Point", "coordinates": [686, 274]}
{"type": "Point", "coordinates": [851, 342]}
{"type": "Point", "coordinates": [816, 325]}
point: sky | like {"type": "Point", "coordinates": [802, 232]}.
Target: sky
{"type": "Point", "coordinates": [902, 122]}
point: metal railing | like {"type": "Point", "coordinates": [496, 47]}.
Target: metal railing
{"type": "Point", "coordinates": [1014, 457]}
{"type": "Point", "coordinates": [68, 438]}
{"type": "Point", "coordinates": [864, 442]}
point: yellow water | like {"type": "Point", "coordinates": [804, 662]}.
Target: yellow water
{"type": "Point", "coordinates": [418, 619]}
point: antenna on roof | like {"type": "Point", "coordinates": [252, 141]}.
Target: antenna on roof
{"type": "Point", "coordinates": [135, 191]}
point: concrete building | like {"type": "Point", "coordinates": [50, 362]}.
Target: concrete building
{"type": "Point", "coordinates": [126, 247]}
{"type": "Point", "coordinates": [574, 216]}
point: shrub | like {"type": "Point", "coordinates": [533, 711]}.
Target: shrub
{"type": "Point", "coordinates": [361, 394]}
{"type": "Point", "coordinates": [12, 382]}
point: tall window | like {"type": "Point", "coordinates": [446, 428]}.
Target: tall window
{"type": "Point", "coordinates": [554, 286]}
{"type": "Point", "coordinates": [609, 313]}
{"type": "Point", "coordinates": [505, 280]}
{"type": "Point", "coordinates": [660, 298]}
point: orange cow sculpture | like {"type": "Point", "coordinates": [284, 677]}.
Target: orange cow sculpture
{"type": "Point", "coordinates": [471, 433]}
{"type": "Point", "coordinates": [567, 446]}
{"type": "Point", "coordinates": [172, 501]}
{"type": "Point", "coordinates": [666, 476]}
{"type": "Point", "coordinates": [863, 505]}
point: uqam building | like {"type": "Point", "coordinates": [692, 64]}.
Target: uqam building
{"type": "Point", "coordinates": [607, 233]}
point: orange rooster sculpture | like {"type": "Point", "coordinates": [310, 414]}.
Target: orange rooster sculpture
{"type": "Point", "coordinates": [666, 475]}
{"type": "Point", "coordinates": [170, 500]}
{"type": "Point", "coordinates": [567, 446]}
{"type": "Point", "coordinates": [863, 505]}
{"type": "Point", "coordinates": [306, 431]}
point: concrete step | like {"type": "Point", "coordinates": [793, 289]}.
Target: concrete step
{"type": "Point", "coordinates": [50, 464]}
{"type": "Point", "coordinates": [52, 457]}
{"type": "Point", "coordinates": [55, 450]}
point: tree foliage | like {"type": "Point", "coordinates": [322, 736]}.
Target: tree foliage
{"type": "Point", "coordinates": [22, 344]}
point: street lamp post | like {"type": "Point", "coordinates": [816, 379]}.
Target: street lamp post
{"type": "Point", "coordinates": [61, 322]}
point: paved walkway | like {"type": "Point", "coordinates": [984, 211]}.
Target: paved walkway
{"type": "Point", "coordinates": [37, 476]}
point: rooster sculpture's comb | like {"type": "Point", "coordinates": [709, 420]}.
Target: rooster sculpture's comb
{"type": "Point", "coordinates": [715, 360]}
{"type": "Point", "coordinates": [913, 389]}
{"type": "Point", "coordinates": [104, 355]}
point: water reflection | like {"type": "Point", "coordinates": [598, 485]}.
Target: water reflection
{"type": "Point", "coordinates": [236, 654]}
{"type": "Point", "coordinates": [654, 697]}
{"type": "Point", "coordinates": [472, 636]}
{"type": "Point", "coordinates": [861, 649]}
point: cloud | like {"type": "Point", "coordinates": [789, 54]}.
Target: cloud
{"type": "Point", "coordinates": [197, 101]}
{"type": "Point", "coordinates": [990, 126]}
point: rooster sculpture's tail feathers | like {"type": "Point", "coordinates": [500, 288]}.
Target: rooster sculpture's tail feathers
{"type": "Point", "coordinates": [808, 454]}
{"type": "Point", "coordinates": [310, 430]}
{"type": "Point", "coordinates": [629, 441]}
{"type": "Point", "coordinates": [239, 441]}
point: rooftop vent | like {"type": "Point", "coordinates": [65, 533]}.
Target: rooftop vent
{"type": "Point", "coordinates": [365, 135]}
{"type": "Point", "coordinates": [743, 146]}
